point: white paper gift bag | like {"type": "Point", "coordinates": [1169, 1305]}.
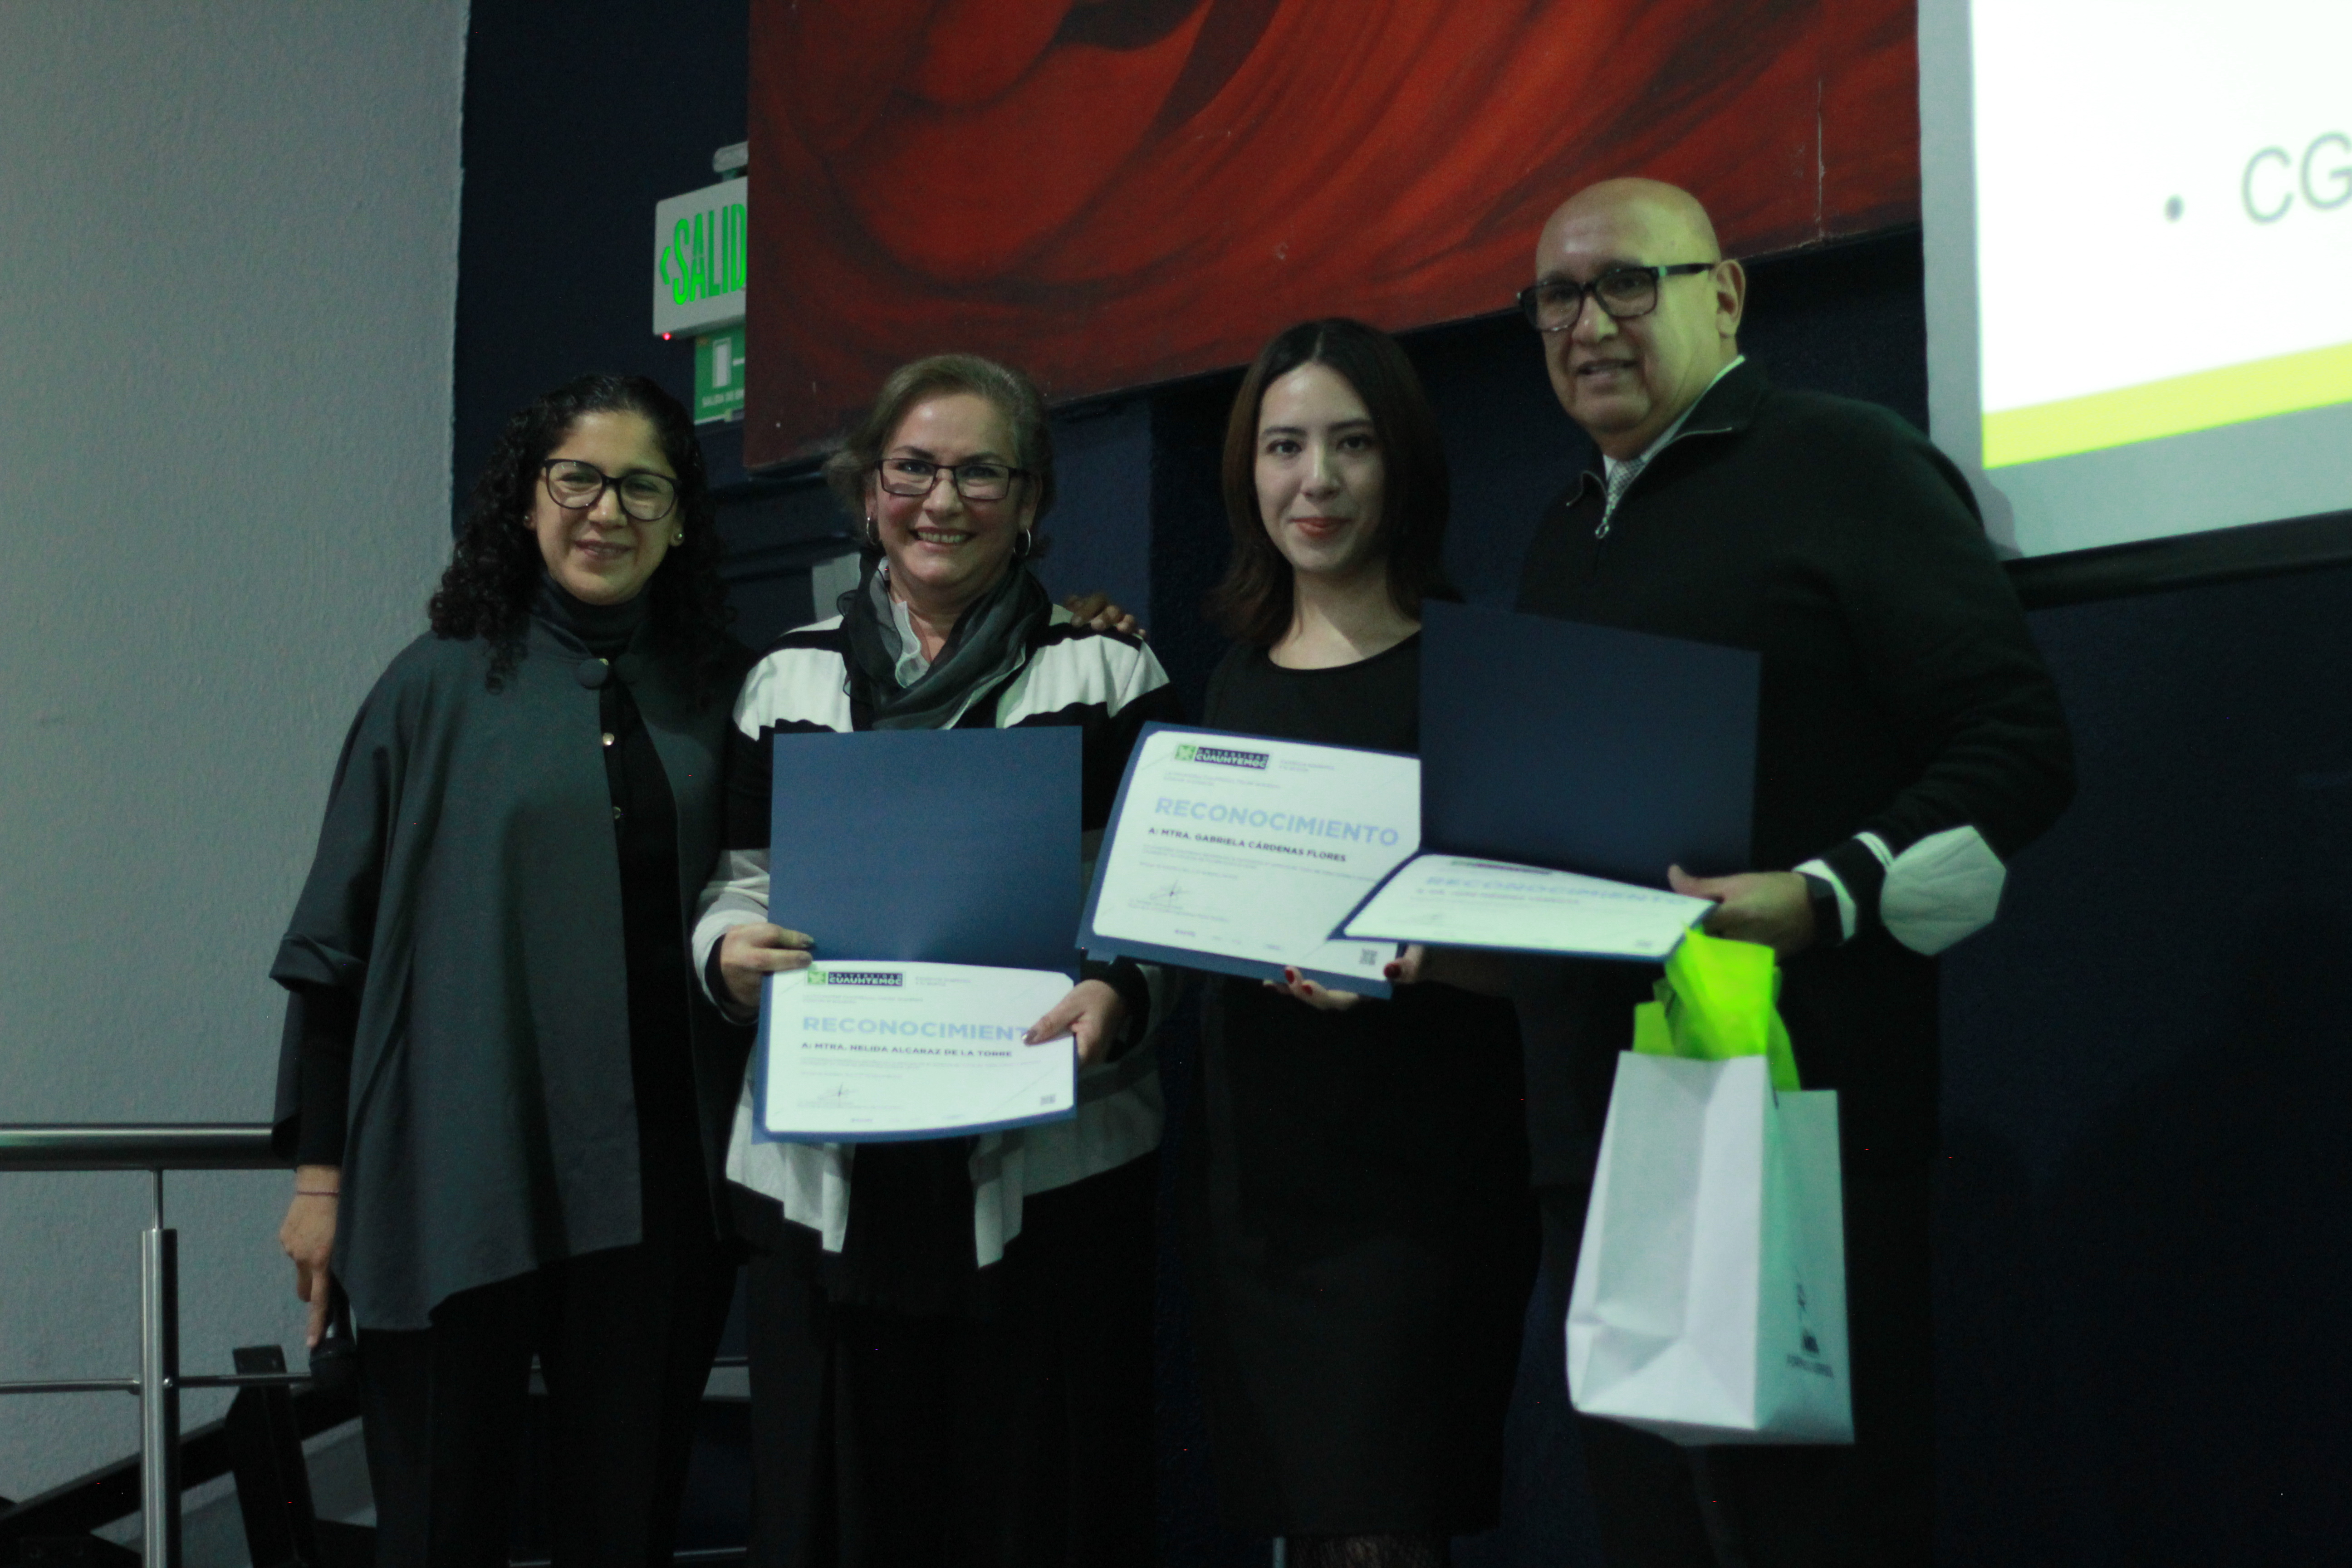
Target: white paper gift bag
{"type": "Point", "coordinates": [1709, 1304]}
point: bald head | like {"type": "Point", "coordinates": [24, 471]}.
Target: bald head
{"type": "Point", "coordinates": [1652, 212]}
{"type": "Point", "coordinates": [1626, 380]}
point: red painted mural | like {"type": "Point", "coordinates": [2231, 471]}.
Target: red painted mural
{"type": "Point", "coordinates": [1111, 192]}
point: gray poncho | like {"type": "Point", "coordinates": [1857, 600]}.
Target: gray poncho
{"type": "Point", "coordinates": [467, 889]}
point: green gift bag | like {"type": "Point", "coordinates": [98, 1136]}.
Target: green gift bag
{"type": "Point", "coordinates": [1719, 999]}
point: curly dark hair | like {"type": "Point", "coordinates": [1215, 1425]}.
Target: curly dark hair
{"type": "Point", "coordinates": [495, 568]}
{"type": "Point", "coordinates": [1253, 605]}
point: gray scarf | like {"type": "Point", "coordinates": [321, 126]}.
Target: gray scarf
{"type": "Point", "coordinates": [989, 642]}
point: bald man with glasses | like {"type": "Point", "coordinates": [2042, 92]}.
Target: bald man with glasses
{"type": "Point", "coordinates": [1909, 744]}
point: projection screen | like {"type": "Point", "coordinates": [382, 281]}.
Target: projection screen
{"type": "Point", "coordinates": [2138, 241]}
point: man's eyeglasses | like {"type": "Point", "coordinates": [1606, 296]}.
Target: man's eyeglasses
{"type": "Point", "coordinates": [1625, 292]}
{"type": "Point", "coordinates": [576, 485]}
{"type": "Point", "coordinates": [974, 481]}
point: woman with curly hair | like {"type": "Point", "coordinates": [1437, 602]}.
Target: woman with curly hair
{"type": "Point", "coordinates": [505, 1097]}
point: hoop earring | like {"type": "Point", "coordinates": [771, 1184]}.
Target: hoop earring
{"type": "Point", "coordinates": [1028, 542]}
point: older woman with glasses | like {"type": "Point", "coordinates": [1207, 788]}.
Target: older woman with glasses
{"type": "Point", "coordinates": [507, 1101]}
{"type": "Point", "coordinates": [920, 1395]}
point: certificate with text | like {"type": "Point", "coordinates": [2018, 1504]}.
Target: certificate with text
{"type": "Point", "coordinates": [854, 1053]}
{"type": "Point", "coordinates": [1241, 855]}
{"type": "Point", "coordinates": [1454, 900]}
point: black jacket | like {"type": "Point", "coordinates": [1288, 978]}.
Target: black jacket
{"type": "Point", "coordinates": [1902, 695]}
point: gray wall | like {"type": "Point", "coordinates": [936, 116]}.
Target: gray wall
{"type": "Point", "coordinates": [228, 237]}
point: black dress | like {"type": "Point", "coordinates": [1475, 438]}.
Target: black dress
{"type": "Point", "coordinates": [1360, 1236]}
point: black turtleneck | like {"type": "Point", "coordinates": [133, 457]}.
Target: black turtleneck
{"type": "Point", "coordinates": [645, 832]}
{"type": "Point", "coordinates": [604, 629]}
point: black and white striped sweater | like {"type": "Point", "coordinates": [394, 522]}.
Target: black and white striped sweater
{"type": "Point", "coordinates": [1110, 685]}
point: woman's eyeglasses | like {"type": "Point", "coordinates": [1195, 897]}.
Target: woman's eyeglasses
{"type": "Point", "coordinates": [576, 485]}
{"type": "Point", "coordinates": [974, 481]}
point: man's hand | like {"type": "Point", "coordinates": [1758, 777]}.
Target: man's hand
{"type": "Point", "coordinates": [749, 954]}
{"type": "Point", "coordinates": [1773, 908]}
{"type": "Point", "coordinates": [1100, 615]}
{"type": "Point", "coordinates": [1092, 1015]}
{"type": "Point", "coordinates": [308, 1237]}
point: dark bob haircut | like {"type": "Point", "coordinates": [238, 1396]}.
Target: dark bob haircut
{"type": "Point", "coordinates": [1253, 605]}
{"type": "Point", "coordinates": [495, 566]}
{"type": "Point", "coordinates": [1001, 386]}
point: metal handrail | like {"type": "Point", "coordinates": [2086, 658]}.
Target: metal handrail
{"type": "Point", "coordinates": [138, 1146]}
{"type": "Point", "coordinates": [73, 1385]}
{"type": "Point", "coordinates": [156, 1148]}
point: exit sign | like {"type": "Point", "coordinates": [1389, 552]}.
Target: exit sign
{"type": "Point", "coordinates": [701, 243]}
{"type": "Point", "coordinates": [718, 376]}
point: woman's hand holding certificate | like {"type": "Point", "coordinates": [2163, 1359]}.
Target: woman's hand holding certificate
{"type": "Point", "coordinates": [748, 954]}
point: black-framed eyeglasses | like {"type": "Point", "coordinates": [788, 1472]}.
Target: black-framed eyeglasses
{"type": "Point", "coordinates": [576, 485]}
{"type": "Point", "coordinates": [978, 480]}
{"type": "Point", "coordinates": [1554, 304]}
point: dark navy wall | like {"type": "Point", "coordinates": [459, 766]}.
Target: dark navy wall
{"type": "Point", "coordinates": [578, 120]}
{"type": "Point", "coordinates": [2147, 1105]}
{"type": "Point", "coordinates": [2145, 1198]}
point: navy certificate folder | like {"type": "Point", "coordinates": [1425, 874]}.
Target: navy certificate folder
{"type": "Point", "coordinates": [1582, 748]}
{"type": "Point", "coordinates": [933, 845]}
